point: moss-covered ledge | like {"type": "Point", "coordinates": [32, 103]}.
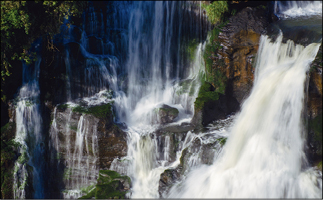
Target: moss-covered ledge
{"type": "Point", "coordinates": [110, 185]}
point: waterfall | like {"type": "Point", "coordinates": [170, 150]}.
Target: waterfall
{"type": "Point", "coordinates": [140, 58]}
{"type": "Point", "coordinates": [264, 157]}
{"type": "Point", "coordinates": [287, 9]}
{"type": "Point", "coordinates": [29, 168]}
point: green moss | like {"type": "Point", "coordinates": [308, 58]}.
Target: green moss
{"type": "Point", "coordinates": [23, 158]}
{"type": "Point", "coordinates": [222, 141]}
{"type": "Point", "coordinates": [98, 111]}
{"type": "Point", "coordinates": [215, 10]}
{"type": "Point", "coordinates": [319, 166]}
{"type": "Point", "coordinates": [63, 106]}
{"type": "Point", "coordinates": [171, 111]}
{"type": "Point", "coordinates": [107, 191]}
{"type": "Point", "coordinates": [205, 94]}
{"type": "Point", "coordinates": [191, 48]}
{"type": "Point", "coordinates": [108, 186]}
{"type": "Point", "coordinates": [213, 63]}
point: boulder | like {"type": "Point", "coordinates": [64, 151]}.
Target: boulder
{"type": "Point", "coordinates": [167, 114]}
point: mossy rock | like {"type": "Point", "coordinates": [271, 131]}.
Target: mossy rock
{"type": "Point", "coordinates": [316, 126]}
{"type": "Point", "coordinates": [100, 111]}
{"type": "Point", "coordinates": [110, 185]}
{"type": "Point", "coordinates": [207, 93]}
{"type": "Point", "coordinates": [167, 114]}
{"type": "Point", "coordinates": [319, 166]}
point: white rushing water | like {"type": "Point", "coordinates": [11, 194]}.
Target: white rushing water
{"type": "Point", "coordinates": [29, 165]}
{"type": "Point", "coordinates": [263, 156]}
{"type": "Point", "coordinates": [154, 79]}
{"type": "Point", "coordinates": [292, 9]}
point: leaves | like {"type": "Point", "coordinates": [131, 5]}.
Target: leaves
{"type": "Point", "coordinates": [215, 10]}
{"type": "Point", "coordinates": [24, 21]}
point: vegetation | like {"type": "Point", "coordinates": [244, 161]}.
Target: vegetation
{"type": "Point", "coordinates": [215, 10]}
{"type": "Point", "coordinates": [206, 93]}
{"type": "Point", "coordinates": [24, 21]}
{"type": "Point", "coordinates": [98, 111]}
{"type": "Point", "coordinates": [222, 141]}
{"type": "Point", "coordinates": [213, 63]}
{"type": "Point", "coordinates": [8, 157]}
{"type": "Point", "coordinates": [192, 44]}
{"type": "Point", "coordinates": [109, 185]}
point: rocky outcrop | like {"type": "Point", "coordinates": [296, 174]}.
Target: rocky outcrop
{"type": "Point", "coordinates": [211, 106]}
{"type": "Point", "coordinates": [314, 111]}
{"type": "Point", "coordinates": [86, 140]}
{"type": "Point", "coordinates": [240, 41]}
{"type": "Point", "coordinates": [195, 154]}
{"type": "Point", "coordinates": [232, 65]}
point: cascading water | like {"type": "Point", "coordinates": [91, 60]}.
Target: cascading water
{"type": "Point", "coordinates": [30, 165]}
{"type": "Point", "coordinates": [134, 55]}
{"type": "Point", "coordinates": [263, 157]}
{"type": "Point", "coordinates": [155, 69]}
{"type": "Point", "coordinates": [297, 8]}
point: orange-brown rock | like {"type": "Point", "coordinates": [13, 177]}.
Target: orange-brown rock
{"type": "Point", "coordinates": [240, 41]}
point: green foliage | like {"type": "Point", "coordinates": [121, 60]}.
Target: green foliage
{"type": "Point", "coordinates": [319, 166]}
{"type": "Point", "coordinates": [215, 10]}
{"type": "Point", "coordinates": [98, 111]}
{"type": "Point", "coordinates": [191, 48]}
{"type": "Point", "coordinates": [222, 141]}
{"type": "Point", "coordinates": [206, 93]}
{"type": "Point", "coordinates": [108, 186]}
{"type": "Point", "coordinates": [24, 21]}
{"type": "Point", "coordinates": [62, 106]}
{"type": "Point", "coordinates": [213, 63]}
{"type": "Point", "coordinates": [8, 157]}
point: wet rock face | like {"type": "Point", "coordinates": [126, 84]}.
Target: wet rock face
{"type": "Point", "coordinates": [167, 179]}
{"type": "Point", "coordinates": [167, 114]}
{"type": "Point", "coordinates": [240, 41]}
{"type": "Point", "coordinates": [85, 140]}
{"type": "Point", "coordinates": [219, 109]}
{"type": "Point", "coordinates": [215, 109]}
{"type": "Point", "coordinates": [112, 144]}
{"type": "Point", "coordinates": [195, 154]}
{"type": "Point", "coordinates": [314, 111]}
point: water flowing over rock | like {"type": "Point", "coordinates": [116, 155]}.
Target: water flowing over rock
{"type": "Point", "coordinates": [242, 154]}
